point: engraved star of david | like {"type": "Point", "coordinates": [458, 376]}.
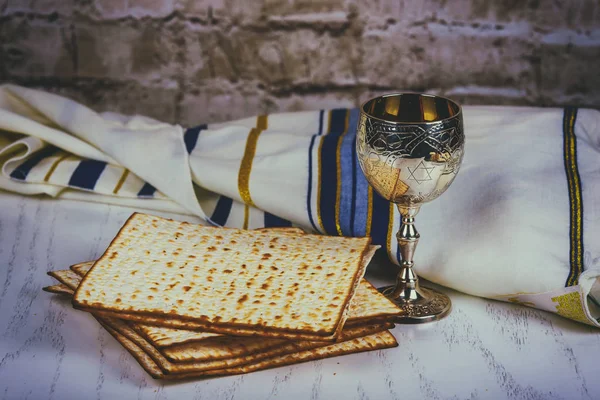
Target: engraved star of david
{"type": "Point", "coordinates": [423, 173]}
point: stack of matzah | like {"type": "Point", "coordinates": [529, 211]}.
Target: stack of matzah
{"type": "Point", "coordinates": [189, 300]}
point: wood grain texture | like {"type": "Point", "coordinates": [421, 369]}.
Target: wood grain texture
{"type": "Point", "coordinates": [483, 350]}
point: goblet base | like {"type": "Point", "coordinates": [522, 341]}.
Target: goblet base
{"type": "Point", "coordinates": [424, 304]}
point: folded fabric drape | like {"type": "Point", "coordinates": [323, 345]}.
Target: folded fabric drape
{"type": "Point", "coordinates": [519, 223]}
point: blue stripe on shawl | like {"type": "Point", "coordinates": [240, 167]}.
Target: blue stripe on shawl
{"type": "Point", "coordinates": [310, 174]}
{"type": "Point", "coordinates": [191, 137]}
{"type": "Point", "coordinates": [274, 221]}
{"type": "Point", "coordinates": [347, 198]}
{"type": "Point", "coordinates": [20, 173]}
{"type": "Point", "coordinates": [87, 174]}
{"type": "Point", "coordinates": [329, 170]}
{"type": "Point", "coordinates": [222, 210]}
{"type": "Point", "coordinates": [147, 190]}
{"type": "Point", "coordinates": [380, 220]}
{"type": "Point", "coordinates": [361, 199]}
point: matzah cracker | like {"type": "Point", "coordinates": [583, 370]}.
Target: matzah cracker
{"type": "Point", "coordinates": [367, 306]}
{"type": "Point", "coordinates": [235, 349]}
{"type": "Point", "coordinates": [158, 335]}
{"type": "Point", "coordinates": [58, 289]}
{"type": "Point", "coordinates": [193, 352]}
{"type": "Point", "coordinates": [67, 278]}
{"type": "Point", "coordinates": [145, 361]}
{"type": "Point", "coordinates": [375, 341]}
{"type": "Point", "coordinates": [177, 325]}
{"type": "Point", "coordinates": [223, 351]}
{"type": "Point", "coordinates": [151, 366]}
{"type": "Point", "coordinates": [187, 353]}
{"type": "Point", "coordinates": [228, 346]}
{"type": "Point", "coordinates": [203, 356]}
{"type": "Point", "coordinates": [82, 268]}
{"type": "Point", "coordinates": [212, 357]}
{"type": "Point", "coordinates": [165, 268]}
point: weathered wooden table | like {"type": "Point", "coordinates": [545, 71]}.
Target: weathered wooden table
{"type": "Point", "coordinates": [48, 350]}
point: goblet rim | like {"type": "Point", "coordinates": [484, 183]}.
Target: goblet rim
{"type": "Point", "coordinates": [437, 121]}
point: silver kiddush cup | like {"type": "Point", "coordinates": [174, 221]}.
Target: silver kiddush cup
{"type": "Point", "coordinates": [410, 147]}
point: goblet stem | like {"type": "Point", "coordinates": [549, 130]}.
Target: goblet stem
{"type": "Point", "coordinates": [407, 281]}
{"type": "Point", "coordinates": [419, 304]}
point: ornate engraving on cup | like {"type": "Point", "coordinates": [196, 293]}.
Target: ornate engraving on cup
{"type": "Point", "coordinates": [410, 164]}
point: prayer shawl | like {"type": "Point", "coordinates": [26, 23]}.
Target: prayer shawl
{"type": "Point", "coordinates": [520, 223]}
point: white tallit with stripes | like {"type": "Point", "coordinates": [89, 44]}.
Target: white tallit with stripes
{"type": "Point", "coordinates": [520, 223]}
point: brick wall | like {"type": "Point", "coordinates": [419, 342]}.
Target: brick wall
{"type": "Point", "coordinates": [193, 61]}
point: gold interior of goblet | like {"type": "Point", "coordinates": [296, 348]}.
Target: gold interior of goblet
{"type": "Point", "coordinates": [411, 108]}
